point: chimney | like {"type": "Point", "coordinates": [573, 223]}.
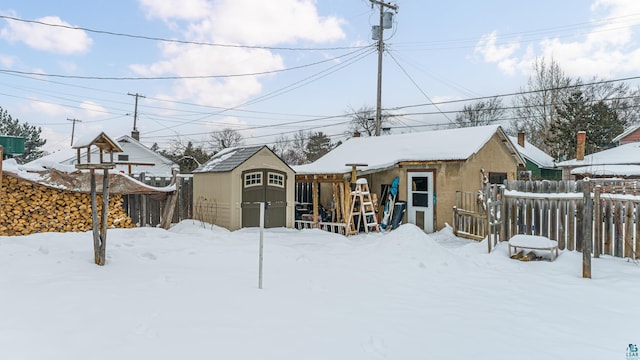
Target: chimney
{"type": "Point", "coordinates": [581, 144]}
{"type": "Point", "coordinates": [356, 133]}
{"type": "Point", "coordinates": [135, 134]}
{"type": "Point", "coordinates": [521, 138]}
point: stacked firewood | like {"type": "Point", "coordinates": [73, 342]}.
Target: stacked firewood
{"type": "Point", "coordinates": [27, 208]}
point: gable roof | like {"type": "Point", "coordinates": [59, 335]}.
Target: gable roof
{"type": "Point", "coordinates": [101, 140]}
{"type": "Point", "coordinates": [626, 133]}
{"type": "Point", "coordinates": [627, 154]}
{"type": "Point", "coordinates": [230, 158]}
{"type": "Point", "coordinates": [382, 152]}
{"type": "Point", "coordinates": [533, 154]}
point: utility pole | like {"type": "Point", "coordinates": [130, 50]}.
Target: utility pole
{"type": "Point", "coordinates": [73, 128]}
{"type": "Point", "coordinates": [382, 6]}
{"type": "Point", "coordinates": [135, 133]}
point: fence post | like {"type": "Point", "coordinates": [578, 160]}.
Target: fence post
{"type": "Point", "coordinates": [597, 218]}
{"type": "Point", "coordinates": [587, 223]}
{"type": "Point", "coordinates": [504, 214]}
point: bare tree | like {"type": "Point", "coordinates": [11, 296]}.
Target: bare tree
{"type": "Point", "coordinates": [483, 112]}
{"type": "Point", "coordinates": [226, 138]}
{"type": "Point", "coordinates": [535, 107]}
{"type": "Point", "coordinates": [363, 121]}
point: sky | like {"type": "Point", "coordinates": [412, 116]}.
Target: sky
{"type": "Point", "coordinates": [191, 292]}
{"type": "Point", "coordinates": [269, 69]}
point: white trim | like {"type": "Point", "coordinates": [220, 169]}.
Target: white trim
{"type": "Point", "coordinates": [280, 179]}
{"type": "Point", "coordinates": [258, 179]}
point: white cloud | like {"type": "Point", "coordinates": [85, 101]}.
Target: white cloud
{"type": "Point", "coordinates": [176, 9]}
{"type": "Point", "coordinates": [93, 110]}
{"type": "Point", "coordinates": [606, 51]}
{"type": "Point", "coordinates": [47, 38]}
{"type": "Point", "coordinates": [7, 60]}
{"type": "Point", "coordinates": [242, 22]}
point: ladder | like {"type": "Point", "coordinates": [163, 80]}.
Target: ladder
{"type": "Point", "coordinates": [361, 206]}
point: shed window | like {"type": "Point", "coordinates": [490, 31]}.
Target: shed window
{"type": "Point", "coordinates": [253, 179]}
{"type": "Point", "coordinates": [497, 178]}
{"type": "Point", "coordinates": [123, 157]}
{"type": "Point", "coordinates": [276, 179]}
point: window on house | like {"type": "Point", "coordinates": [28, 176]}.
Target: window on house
{"type": "Point", "coordinates": [275, 179]}
{"type": "Point", "coordinates": [123, 157]}
{"type": "Point", "coordinates": [497, 178]}
{"type": "Point", "coordinates": [252, 179]}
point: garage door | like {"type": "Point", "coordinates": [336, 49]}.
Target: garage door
{"type": "Point", "coordinates": [269, 186]}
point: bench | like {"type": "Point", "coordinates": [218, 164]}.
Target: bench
{"type": "Point", "coordinates": [533, 242]}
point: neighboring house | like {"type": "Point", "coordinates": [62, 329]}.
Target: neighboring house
{"type": "Point", "coordinates": [134, 159]}
{"type": "Point", "coordinates": [228, 188]}
{"type": "Point", "coordinates": [631, 134]}
{"type": "Point", "coordinates": [540, 165]}
{"type": "Point", "coordinates": [622, 161]}
{"type": "Point", "coordinates": [431, 167]}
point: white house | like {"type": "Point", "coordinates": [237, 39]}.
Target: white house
{"type": "Point", "coordinates": [134, 159]}
{"type": "Point", "coordinates": [620, 161]}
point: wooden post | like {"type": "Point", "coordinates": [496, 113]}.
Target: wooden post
{"type": "Point", "coordinates": [94, 217]}
{"type": "Point", "coordinates": [586, 230]}
{"type": "Point", "coordinates": [315, 202]}
{"type": "Point", "coordinates": [261, 245]}
{"type": "Point", "coordinates": [628, 233]}
{"type": "Point", "coordinates": [637, 254]}
{"type": "Point", "coordinates": [597, 218]}
{"type": "Point", "coordinates": [143, 203]}
{"type": "Point", "coordinates": [105, 217]}
{"type": "Point", "coordinates": [170, 203]}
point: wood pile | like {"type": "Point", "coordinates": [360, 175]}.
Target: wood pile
{"type": "Point", "coordinates": [27, 208]}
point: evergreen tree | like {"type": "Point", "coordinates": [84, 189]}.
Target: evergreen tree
{"type": "Point", "coordinates": [600, 122]}
{"type": "Point", "coordinates": [31, 134]}
{"type": "Point", "coordinates": [317, 145]}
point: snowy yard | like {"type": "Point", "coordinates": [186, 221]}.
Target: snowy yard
{"type": "Point", "coordinates": [192, 293]}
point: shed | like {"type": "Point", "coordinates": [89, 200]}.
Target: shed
{"type": "Point", "coordinates": [431, 166]}
{"type": "Point", "coordinates": [228, 188]}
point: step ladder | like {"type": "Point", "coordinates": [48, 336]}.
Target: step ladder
{"type": "Point", "coordinates": [361, 206]}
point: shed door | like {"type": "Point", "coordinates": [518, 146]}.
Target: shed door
{"type": "Point", "coordinates": [269, 186]}
{"type": "Point", "coordinates": [420, 200]}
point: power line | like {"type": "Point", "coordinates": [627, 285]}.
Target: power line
{"type": "Point", "coordinates": [136, 78]}
{"type": "Point", "coordinates": [186, 42]}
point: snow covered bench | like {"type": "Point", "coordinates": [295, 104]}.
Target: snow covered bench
{"type": "Point", "coordinates": [533, 242]}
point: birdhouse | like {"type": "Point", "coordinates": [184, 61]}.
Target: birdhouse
{"type": "Point", "coordinates": [105, 146]}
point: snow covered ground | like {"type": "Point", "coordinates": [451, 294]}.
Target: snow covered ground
{"type": "Point", "coordinates": [192, 293]}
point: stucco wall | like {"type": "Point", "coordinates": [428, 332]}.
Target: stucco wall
{"type": "Point", "coordinates": [449, 177]}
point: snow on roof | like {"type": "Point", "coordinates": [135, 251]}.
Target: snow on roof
{"type": "Point", "coordinates": [228, 159]}
{"type": "Point", "coordinates": [533, 154]}
{"type": "Point", "coordinates": [607, 170]}
{"type": "Point", "coordinates": [628, 154]}
{"type": "Point", "coordinates": [381, 152]}
{"type": "Point", "coordinates": [628, 131]}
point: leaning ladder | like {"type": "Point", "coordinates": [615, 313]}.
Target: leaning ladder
{"type": "Point", "coordinates": [361, 206]}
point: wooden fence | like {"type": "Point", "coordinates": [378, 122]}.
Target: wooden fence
{"type": "Point", "coordinates": [145, 210]}
{"type": "Point", "coordinates": [557, 210]}
{"type": "Point", "coordinates": [476, 215]}
{"type": "Point", "coordinates": [604, 212]}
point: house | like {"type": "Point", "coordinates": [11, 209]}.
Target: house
{"type": "Point", "coordinates": [134, 159]}
{"type": "Point", "coordinates": [431, 166]}
{"type": "Point", "coordinates": [621, 162]}
{"type": "Point", "coordinates": [228, 188]}
{"type": "Point", "coordinates": [540, 165]}
{"type": "Point", "coordinates": [632, 134]}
